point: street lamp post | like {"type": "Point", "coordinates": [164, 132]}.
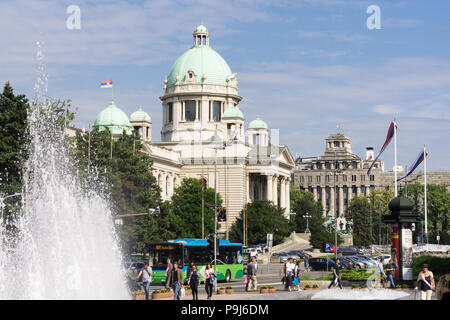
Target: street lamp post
{"type": "Point", "coordinates": [307, 216]}
{"type": "Point", "coordinates": [216, 140]}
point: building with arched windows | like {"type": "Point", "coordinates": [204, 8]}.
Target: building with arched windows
{"type": "Point", "coordinates": [204, 136]}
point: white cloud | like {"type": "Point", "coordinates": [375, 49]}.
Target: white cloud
{"type": "Point", "coordinates": [386, 109]}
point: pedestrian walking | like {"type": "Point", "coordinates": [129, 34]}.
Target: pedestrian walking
{"type": "Point", "coordinates": [381, 274]}
{"type": "Point", "coordinates": [336, 275]}
{"type": "Point", "coordinates": [306, 262]}
{"type": "Point", "coordinates": [251, 273]}
{"type": "Point", "coordinates": [193, 281]}
{"type": "Point", "coordinates": [297, 276]}
{"type": "Point", "coordinates": [210, 277]}
{"type": "Point", "coordinates": [389, 271]}
{"type": "Point", "coordinates": [425, 283]}
{"type": "Point", "coordinates": [168, 269]}
{"type": "Point", "coordinates": [289, 274]}
{"type": "Point", "coordinates": [175, 281]}
{"type": "Point", "coordinates": [146, 274]}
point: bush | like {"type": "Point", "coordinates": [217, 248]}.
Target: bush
{"type": "Point", "coordinates": [356, 274]}
{"type": "Point", "coordinates": [438, 265]}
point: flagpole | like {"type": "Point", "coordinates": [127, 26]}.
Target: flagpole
{"type": "Point", "coordinates": [395, 158]}
{"type": "Point", "coordinates": [112, 91]}
{"type": "Point", "coordinates": [425, 193]}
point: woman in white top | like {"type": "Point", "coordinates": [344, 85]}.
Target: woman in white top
{"type": "Point", "coordinates": [425, 283]}
{"type": "Point", "coordinates": [209, 280]}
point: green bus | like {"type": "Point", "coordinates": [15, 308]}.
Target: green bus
{"type": "Point", "coordinates": [230, 262]}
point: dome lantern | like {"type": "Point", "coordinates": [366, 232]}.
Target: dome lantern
{"type": "Point", "coordinates": [201, 36]}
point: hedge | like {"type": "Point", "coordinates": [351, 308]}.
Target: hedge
{"type": "Point", "coordinates": [438, 265]}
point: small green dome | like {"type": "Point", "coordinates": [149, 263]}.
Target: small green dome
{"type": "Point", "coordinates": [140, 115]}
{"type": "Point", "coordinates": [233, 112]}
{"type": "Point", "coordinates": [201, 28]}
{"type": "Point", "coordinates": [114, 119]}
{"type": "Point", "coordinates": [258, 124]}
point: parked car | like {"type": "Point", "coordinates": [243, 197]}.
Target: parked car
{"type": "Point", "coordinates": [345, 262]}
{"type": "Point", "coordinates": [386, 258]}
{"type": "Point", "coordinates": [347, 250]}
{"type": "Point", "coordinates": [371, 263]}
{"type": "Point", "coordinates": [252, 252]}
{"type": "Point", "coordinates": [294, 255]}
{"type": "Point", "coordinates": [357, 263]}
{"type": "Point", "coordinates": [317, 264]}
{"type": "Point", "coordinates": [283, 257]}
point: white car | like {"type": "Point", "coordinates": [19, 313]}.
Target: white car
{"type": "Point", "coordinates": [253, 252]}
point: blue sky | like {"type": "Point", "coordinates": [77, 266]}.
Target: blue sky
{"type": "Point", "coordinates": [303, 66]}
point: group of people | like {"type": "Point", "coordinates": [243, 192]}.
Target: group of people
{"type": "Point", "coordinates": [291, 277]}
{"type": "Point", "coordinates": [175, 279]}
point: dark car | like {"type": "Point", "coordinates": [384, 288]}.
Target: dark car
{"type": "Point", "coordinates": [346, 263]}
{"type": "Point", "coordinates": [347, 250]}
{"type": "Point", "coordinates": [318, 264]}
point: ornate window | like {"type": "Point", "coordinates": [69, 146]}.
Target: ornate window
{"type": "Point", "coordinates": [217, 111]}
{"type": "Point", "coordinates": [189, 110]}
{"type": "Point", "coordinates": [170, 107]}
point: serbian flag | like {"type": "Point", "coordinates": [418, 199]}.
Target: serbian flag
{"type": "Point", "coordinates": [106, 84]}
{"type": "Point", "coordinates": [416, 163]}
{"type": "Point", "coordinates": [389, 136]}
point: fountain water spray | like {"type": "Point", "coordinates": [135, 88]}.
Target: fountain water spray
{"type": "Point", "coordinates": [65, 246]}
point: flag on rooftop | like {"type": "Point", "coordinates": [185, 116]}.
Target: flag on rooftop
{"type": "Point", "coordinates": [106, 84]}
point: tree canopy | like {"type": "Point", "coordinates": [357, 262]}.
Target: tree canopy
{"type": "Point", "coordinates": [263, 217]}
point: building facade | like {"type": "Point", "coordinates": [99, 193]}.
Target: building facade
{"type": "Point", "coordinates": [339, 175]}
{"type": "Point", "coordinates": [203, 135]}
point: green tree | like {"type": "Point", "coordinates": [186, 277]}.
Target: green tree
{"type": "Point", "coordinates": [379, 202]}
{"type": "Point", "coordinates": [303, 202]}
{"type": "Point", "coordinates": [263, 217]}
{"type": "Point", "coordinates": [438, 215]}
{"type": "Point", "coordinates": [360, 211]}
{"type": "Point", "coordinates": [125, 173]}
{"type": "Point", "coordinates": [186, 209]}
{"type": "Point", "coordinates": [13, 142]}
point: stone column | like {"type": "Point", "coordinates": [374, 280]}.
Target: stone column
{"type": "Point", "coordinates": [288, 198]}
{"type": "Point", "coordinates": [269, 187]}
{"type": "Point", "coordinates": [324, 201]}
{"type": "Point", "coordinates": [332, 200]}
{"type": "Point", "coordinates": [315, 193]}
{"type": "Point", "coordinates": [283, 193]}
{"type": "Point", "coordinates": [275, 190]}
{"type": "Point", "coordinates": [349, 193]}
{"type": "Point", "coordinates": [358, 191]}
{"type": "Point", "coordinates": [163, 186]}
{"type": "Point", "coordinates": [341, 200]}
{"type": "Point", "coordinates": [247, 186]}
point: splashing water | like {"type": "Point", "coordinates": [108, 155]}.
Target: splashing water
{"type": "Point", "coordinates": [65, 246]}
{"type": "Point", "coordinates": [362, 294]}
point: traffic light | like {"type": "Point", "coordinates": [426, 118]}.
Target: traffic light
{"type": "Point", "coordinates": [211, 244]}
{"type": "Point", "coordinates": [222, 214]}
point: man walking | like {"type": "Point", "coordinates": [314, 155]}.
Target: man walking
{"type": "Point", "coordinates": [168, 270]}
{"type": "Point", "coordinates": [381, 274]}
{"type": "Point", "coordinates": [336, 274]}
{"type": "Point", "coordinates": [146, 273]}
{"type": "Point", "coordinates": [175, 281]}
{"type": "Point", "coordinates": [389, 270]}
{"type": "Point", "coordinates": [251, 273]}
{"type": "Point", "coordinates": [289, 274]}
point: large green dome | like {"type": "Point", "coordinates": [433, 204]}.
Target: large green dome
{"type": "Point", "coordinates": [203, 61]}
{"type": "Point", "coordinates": [114, 119]}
